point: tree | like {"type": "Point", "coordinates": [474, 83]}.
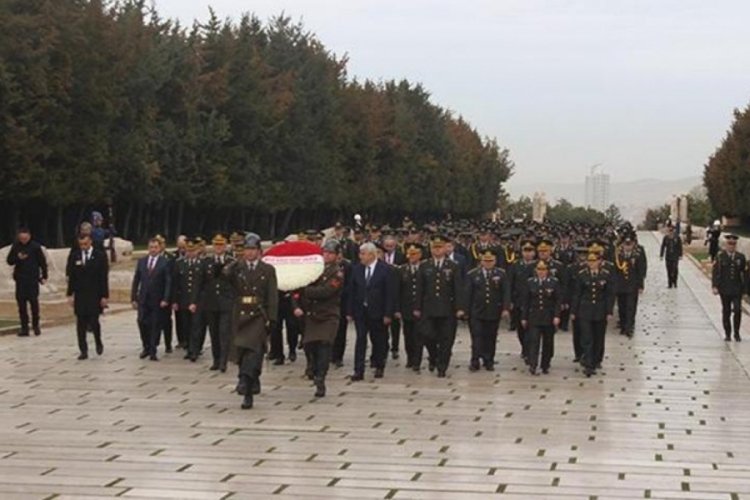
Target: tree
{"type": "Point", "coordinates": [613, 215]}
{"type": "Point", "coordinates": [655, 217]}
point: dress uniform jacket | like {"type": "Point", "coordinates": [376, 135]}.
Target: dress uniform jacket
{"type": "Point", "coordinates": [520, 273]}
{"type": "Point", "coordinates": [567, 255]}
{"type": "Point", "coordinates": [729, 274]}
{"type": "Point", "coordinates": [406, 301]}
{"type": "Point", "coordinates": [543, 301]}
{"type": "Point", "coordinates": [671, 248]}
{"type": "Point", "coordinates": [187, 282]}
{"type": "Point", "coordinates": [629, 273]}
{"type": "Point", "coordinates": [440, 292]}
{"type": "Point", "coordinates": [321, 302]}
{"type": "Point", "coordinates": [218, 293]}
{"type": "Point", "coordinates": [256, 303]}
{"type": "Point", "coordinates": [593, 295]}
{"type": "Point", "coordinates": [488, 296]}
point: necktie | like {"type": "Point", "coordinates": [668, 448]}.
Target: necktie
{"type": "Point", "coordinates": [367, 274]}
{"type": "Point", "coordinates": [251, 265]}
{"type": "Point", "coordinates": [85, 257]}
{"type": "Point", "coordinates": [486, 275]}
{"type": "Point", "coordinates": [150, 264]}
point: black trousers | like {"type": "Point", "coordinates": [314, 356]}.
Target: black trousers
{"type": "Point", "coordinates": [319, 355]}
{"type": "Point", "coordinates": [592, 341]}
{"type": "Point", "coordinates": [286, 321]}
{"type": "Point", "coordinates": [540, 336]}
{"type": "Point", "coordinates": [627, 304]}
{"type": "Point", "coordinates": [395, 330]}
{"type": "Point", "coordinates": [339, 343]}
{"type": "Point", "coordinates": [250, 362]}
{"type": "Point", "coordinates": [412, 342]}
{"type": "Point", "coordinates": [673, 267]}
{"type": "Point", "coordinates": [149, 324]}
{"type": "Point", "coordinates": [483, 340]}
{"type": "Point", "coordinates": [219, 331]}
{"type": "Point", "coordinates": [439, 335]}
{"type": "Point", "coordinates": [183, 320]}
{"type": "Point", "coordinates": [577, 347]}
{"type": "Point", "coordinates": [25, 302]}
{"type": "Point", "coordinates": [376, 331]}
{"type": "Point", "coordinates": [731, 313]}
{"type": "Point", "coordinates": [565, 319]}
{"type": "Point", "coordinates": [84, 323]}
{"type": "Point", "coordinates": [166, 326]}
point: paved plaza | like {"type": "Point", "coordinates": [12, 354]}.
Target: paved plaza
{"type": "Point", "coordinates": [668, 418]}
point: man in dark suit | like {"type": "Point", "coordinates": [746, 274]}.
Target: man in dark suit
{"type": "Point", "coordinates": [88, 292]}
{"type": "Point", "coordinates": [371, 308]}
{"type": "Point", "coordinates": [150, 294]}
{"type": "Point", "coordinates": [29, 270]}
{"type": "Point", "coordinates": [458, 258]}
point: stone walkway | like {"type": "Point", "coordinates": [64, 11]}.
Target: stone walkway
{"type": "Point", "coordinates": [670, 418]}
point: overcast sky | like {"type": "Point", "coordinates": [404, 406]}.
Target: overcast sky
{"type": "Point", "coordinates": [646, 87]}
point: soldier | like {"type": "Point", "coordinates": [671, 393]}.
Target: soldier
{"type": "Point", "coordinates": [480, 247]}
{"type": "Point", "coordinates": [671, 252]}
{"type": "Point", "coordinates": [581, 264]}
{"type": "Point", "coordinates": [520, 273]}
{"type": "Point", "coordinates": [320, 305]}
{"type": "Point", "coordinates": [165, 321]}
{"type": "Point", "coordinates": [394, 257]}
{"type": "Point", "coordinates": [712, 239]}
{"type": "Point", "coordinates": [629, 281]}
{"type": "Point", "coordinates": [88, 292]}
{"type": "Point", "coordinates": [218, 302]}
{"type": "Point", "coordinates": [256, 304]}
{"type": "Point", "coordinates": [440, 303]}
{"type": "Point", "coordinates": [406, 276]}
{"type": "Point", "coordinates": [542, 306]}
{"type": "Point", "coordinates": [488, 300]}
{"type": "Point", "coordinates": [339, 343]}
{"type": "Point", "coordinates": [729, 281]}
{"type": "Point", "coordinates": [29, 271]}
{"type": "Point", "coordinates": [187, 281]}
{"type": "Point", "coordinates": [592, 304]}
{"type": "Point", "coordinates": [506, 254]}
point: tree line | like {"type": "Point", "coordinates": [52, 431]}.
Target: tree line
{"type": "Point", "coordinates": [221, 125]}
{"type": "Point", "coordinates": [726, 175]}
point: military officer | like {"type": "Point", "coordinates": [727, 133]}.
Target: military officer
{"type": "Point", "coordinates": [729, 280]}
{"type": "Point", "coordinates": [592, 305]}
{"type": "Point", "coordinates": [406, 296]}
{"type": "Point", "coordinates": [217, 303]}
{"type": "Point", "coordinates": [256, 302]}
{"type": "Point", "coordinates": [319, 306]}
{"type": "Point", "coordinates": [187, 281]}
{"type": "Point", "coordinates": [339, 344]}
{"type": "Point", "coordinates": [440, 303]}
{"type": "Point", "coordinates": [581, 264]}
{"type": "Point", "coordinates": [481, 246]}
{"type": "Point", "coordinates": [542, 306]}
{"type": "Point", "coordinates": [671, 252]}
{"type": "Point", "coordinates": [488, 296]}
{"type": "Point", "coordinates": [520, 273]}
{"type": "Point", "coordinates": [629, 282]}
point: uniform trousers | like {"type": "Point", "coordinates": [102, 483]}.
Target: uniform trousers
{"type": "Point", "coordinates": [592, 341]}
{"type": "Point", "coordinates": [440, 334]}
{"type": "Point", "coordinates": [540, 336]}
{"type": "Point", "coordinates": [483, 340]}
{"type": "Point", "coordinates": [731, 313]}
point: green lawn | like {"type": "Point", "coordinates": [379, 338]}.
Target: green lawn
{"type": "Point", "coordinates": [5, 323]}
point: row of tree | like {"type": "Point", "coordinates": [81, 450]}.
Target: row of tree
{"type": "Point", "coordinates": [726, 176]}
{"type": "Point", "coordinates": [223, 125]}
{"type": "Point", "coordinates": [563, 211]}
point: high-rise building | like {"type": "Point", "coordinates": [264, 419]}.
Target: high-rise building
{"type": "Point", "coordinates": [597, 190]}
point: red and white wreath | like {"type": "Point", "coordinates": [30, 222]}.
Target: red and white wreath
{"type": "Point", "coordinates": [297, 263]}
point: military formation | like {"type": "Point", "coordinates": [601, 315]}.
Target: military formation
{"type": "Point", "coordinates": [404, 289]}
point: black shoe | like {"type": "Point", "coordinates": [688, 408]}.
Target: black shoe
{"type": "Point", "coordinates": [474, 366]}
{"type": "Point", "coordinates": [247, 402]}
{"type": "Point", "coordinates": [193, 358]}
{"type": "Point", "coordinates": [545, 371]}
{"type": "Point", "coordinates": [256, 386]}
{"type": "Point", "coordinates": [394, 354]}
{"type": "Point", "coordinates": [99, 349]}
{"type": "Point", "coordinates": [214, 367]}
{"type": "Point", "coordinates": [416, 368]}
{"type": "Point", "coordinates": [737, 337]}
{"type": "Point", "coordinates": [339, 364]}
{"type": "Point", "coordinates": [37, 331]}
{"type": "Point", "coordinates": [489, 368]}
{"type": "Point", "coordinates": [223, 368]}
{"type": "Point", "coordinates": [83, 356]}
{"type": "Point", "coordinates": [309, 373]}
{"type": "Point", "coordinates": [727, 337]}
{"type": "Point", "coordinates": [168, 350]}
{"type": "Point", "coordinates": [23, 333]}
{"type": "Point", "coordinates": [379, 372]}
{"type": "Point", "coordinates": [153, 357]}
{"type": "Point", "coordinates": [241, 388]}
{"type": "Point", "coordinates": [278, 361]}
{"type": "Point", "coordinates": [144, 354]}
{"type": "Point", "coordinates": [432, 367]}
{"type": "Point", "coordinates": [292, 357]}
{"type": "Point", "coordinates": [532, 370]}
{"type": "Point", "coordinates": [357, 377]}
{"type": "Point", "coordinates": [320, 388]}
{"type": "Point", "coordinates": [577, 359]}
{"type": "Point", "coordinates": [441, 374]}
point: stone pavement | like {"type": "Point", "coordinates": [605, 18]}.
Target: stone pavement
{"type": "Point", "coordinates": [670, 418]}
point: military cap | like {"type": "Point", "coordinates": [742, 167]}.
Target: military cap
{"type": "Point", "coordinates": [413, 230]}
{"type": "Point", "coordinates": [219, 239]}
{"type": "Point", "coordinates": [252, 240]}
{"type": "Point", "coordinates": [731, 237]}
{"type": "Point", "coordinates": [593, 256]}
{"type": "Point", "coordinates": [582, 250]}
{"type": "Point", "coordinates": [331, 246]}
{"type": "Point", "coordinates": [312, 234]}
{"type": "Point", "coordinates": [527, 244]}
{"type": "Point", "coordinates": [489, 256]}
{"type": "Point", "coordinates": [338, 225]}
{"type": "Point", "coordinates": [190, 245]}
{"type": "Point", "coordinates": [628, 238]}
{"type": "Point", "coordinates": [358, 230]}
{"type": "Point", "coordinates": [545, 245]}
{"type": "Point", "coordinates": [96, 215]}
{"type": "Point", "coordinates": [541, 266]}
{"type": "Point", "coordinates": [412, 249]}
{"type": "Point", "coordinates": [374, 228]}
{"type": "Point", "coordinates": [438, 240]}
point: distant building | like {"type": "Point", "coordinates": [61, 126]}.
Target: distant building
{"type": "Point", "coordinates": [597, 190]}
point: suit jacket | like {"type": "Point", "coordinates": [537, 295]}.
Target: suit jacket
{"type": "Point", "coordinates": [151, 287]}
{"type": "Point", "coordinates": [377, 293]}
{"type": "Point", "coordinates": [461, 262]}
{"type": "Point", "coordinates": [29, 270]}
{"type": "Point", "coordinates": [398, 258]}
{"type": "Point", "coordinates": [88, 282]}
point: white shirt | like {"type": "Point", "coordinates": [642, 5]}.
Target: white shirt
{"type": "Point", "coordinates": [370, 271]}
